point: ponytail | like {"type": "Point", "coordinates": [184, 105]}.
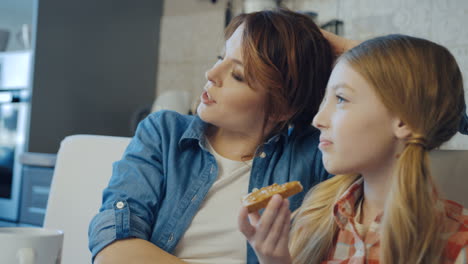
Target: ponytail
{"type": "Point", "coordinates": [412, 221]}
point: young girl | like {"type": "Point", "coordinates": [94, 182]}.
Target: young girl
{"type": "Point", "coordinates": [174, 195]}
{"type": "Point", "coordinates": [389, 101]}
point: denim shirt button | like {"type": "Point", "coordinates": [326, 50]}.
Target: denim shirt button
{"type": "Point", "coordinates": [263, 155]}
{"type": "Point", "coordinates": [194, 198]}
{"type": "Point", "coordinates": [120, 205]}
{"type": "Point", "coordinates": [171, 237]}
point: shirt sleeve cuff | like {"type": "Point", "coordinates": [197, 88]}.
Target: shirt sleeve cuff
{"type": "Point", "coordinates": [114, 224]}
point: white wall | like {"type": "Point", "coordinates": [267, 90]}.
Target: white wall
{"type": "Point", "coordinates": [191, 33]}
{"type": "Point", "coordinates": [442, 21]}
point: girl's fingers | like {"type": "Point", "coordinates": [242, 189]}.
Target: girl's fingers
{"type": "Point", "coordinates": [276, 230]}
{"type": "Point", "coordinates": [244, 225]}
{"type": "Point", "coordinates": [269, 215]}
{"type": "Point", "coordinates": [254, 218]}
{"type": "Point", "coordinates": [283, 242]}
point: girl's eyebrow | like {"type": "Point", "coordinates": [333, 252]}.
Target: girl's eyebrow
{"type": "Point", "coordinates": [342, 85]}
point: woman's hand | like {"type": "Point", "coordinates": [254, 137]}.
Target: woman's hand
{"type": "Point", "coordinates": [339, 44]}
{"type": "Point", "coordinates": [268, 234]}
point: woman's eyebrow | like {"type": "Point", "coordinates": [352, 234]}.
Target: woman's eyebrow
{"type": "Point", "coordinates": [236, 61]}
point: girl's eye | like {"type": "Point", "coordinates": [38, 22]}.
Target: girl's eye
{"type": "Point", "coordinates": [340, 99]}
{"type": "Point", "coordinates": [237, 77]}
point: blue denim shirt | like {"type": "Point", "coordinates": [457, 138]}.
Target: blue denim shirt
{"type": "Point", "coordinates": [166, 172]}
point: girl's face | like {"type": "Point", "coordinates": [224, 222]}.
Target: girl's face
{"type": "Point", "coordinates": [227, 101]}
{"type": "Point", "coordinates": [357, 130]}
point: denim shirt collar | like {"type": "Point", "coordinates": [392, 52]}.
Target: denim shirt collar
{"type": "Point", "coordinates": [195, 132]}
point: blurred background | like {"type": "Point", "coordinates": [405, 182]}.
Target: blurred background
{"type": "Point", "coordinates": [99, 67]}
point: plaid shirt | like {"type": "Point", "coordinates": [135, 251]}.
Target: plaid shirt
{"type": "Point", "coordinates": [350, 248]}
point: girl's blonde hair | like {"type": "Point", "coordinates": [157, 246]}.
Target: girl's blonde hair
{"type": "Point", "coordinates": [421, 83]}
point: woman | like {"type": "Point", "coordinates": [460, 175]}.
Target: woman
{"type": "Point", "coordinates": [175, 193]}
{"type": "Point", "coordinates": [389, 101]}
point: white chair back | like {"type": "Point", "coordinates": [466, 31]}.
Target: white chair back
{"type": "Point", "coordinates": [82, 171]}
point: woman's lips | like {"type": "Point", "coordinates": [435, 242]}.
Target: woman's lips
{"type": "Point", "coordinates": [206, 98]}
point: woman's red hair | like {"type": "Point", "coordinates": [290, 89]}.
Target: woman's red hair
{"type": "Point", "coordinates": [285, 53]}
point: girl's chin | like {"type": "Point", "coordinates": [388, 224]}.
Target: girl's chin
{"type": "Point", "coordinates": [333, 169]}
{"type": "Point", "coordinates": [339, 171]}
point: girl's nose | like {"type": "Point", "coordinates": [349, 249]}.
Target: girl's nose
{"type": "Point", "coordinates": [320, 120]}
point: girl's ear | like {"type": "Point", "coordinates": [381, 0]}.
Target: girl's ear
{"type": "Point", "coordinates": [400, 129]}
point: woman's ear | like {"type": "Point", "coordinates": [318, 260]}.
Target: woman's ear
{"type": "Point", "coordinates": [400, 129]}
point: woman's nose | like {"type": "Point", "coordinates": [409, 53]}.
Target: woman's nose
{"type": "Point", "coordinates": [214, 75]}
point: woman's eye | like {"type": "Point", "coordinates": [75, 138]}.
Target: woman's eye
{"type": "Point", "coordinates": [237, 77]}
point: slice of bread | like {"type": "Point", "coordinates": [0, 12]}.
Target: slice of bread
{"type": "Point", "coordinates": [259, 198]}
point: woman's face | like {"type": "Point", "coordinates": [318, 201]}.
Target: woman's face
{"type": "Point", "coordinates": [227, 101]}
{"type": "Point", "coordinates": [357, 130]}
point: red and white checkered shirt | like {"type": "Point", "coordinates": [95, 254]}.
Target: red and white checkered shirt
{"type": "Point", "coordinates": [350, 248]}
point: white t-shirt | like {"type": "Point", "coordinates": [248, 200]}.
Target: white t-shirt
{"type": "Point", "coordinates": [213, 236]}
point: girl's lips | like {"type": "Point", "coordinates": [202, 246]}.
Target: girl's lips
{"type": "Point", "coordinates": [205, 98]}
{"type": "Point", "coordinates": [324, 143]}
